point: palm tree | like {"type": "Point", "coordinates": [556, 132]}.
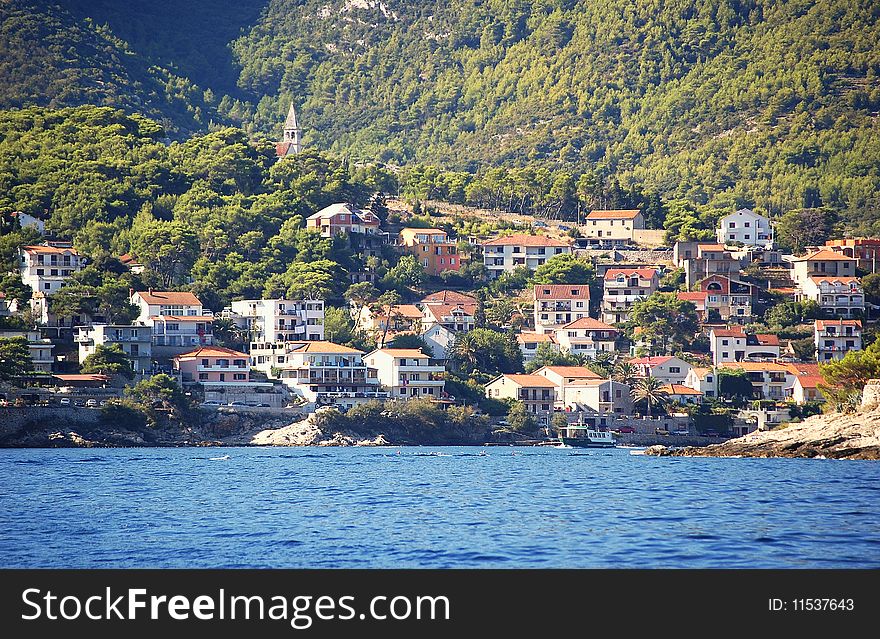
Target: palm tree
{"type": "Point", "coordinates": [603, 363]}
{"type": "Point", "coordinates": [651, 391]}
{"type": "Point", "coordinates": [625, 373]}
{"type": "Point", "coordinates": [464, 350]}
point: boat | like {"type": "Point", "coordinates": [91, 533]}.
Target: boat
{"type": "Point", "coordinates": [578, 436]}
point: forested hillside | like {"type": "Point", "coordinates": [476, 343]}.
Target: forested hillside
{"type": "Point", "coordinates": [722, 103]}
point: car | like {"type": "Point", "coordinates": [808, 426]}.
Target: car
{"type": "Point", "coordinates": [91, 403]}
{"type": "Point", "coordinates": [264, 405]}
{"type": "Point", "coordinates": [79, 402]}
{"type": "Point", "coordinates": [236, 404]}
{"type": "Point", "coordinates": [64, 401]}
{"type": "Point", "coordinates": [211, 402]}
{"type": "Point", "coordinates": [681, 432]}
{"type": "Point", "coordinates": [103, 402]}
{"type": "Point", "coordinates": [661, 431]}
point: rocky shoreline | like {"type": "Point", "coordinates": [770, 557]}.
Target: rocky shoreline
{"type": "Point", "coordinates": [832, 436]}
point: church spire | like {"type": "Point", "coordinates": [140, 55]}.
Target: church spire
{"type": "Point", "coordinates": [292, 132]}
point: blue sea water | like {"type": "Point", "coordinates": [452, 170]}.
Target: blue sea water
{"type": "Point", "coordinates": [432, 508]}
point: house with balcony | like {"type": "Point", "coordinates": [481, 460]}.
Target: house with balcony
{"type": "Point", "coordinates": [623, 287]}
{"type": "Point", "coordinates": [433, 248]}
{"type": "Point", "coordinates": [45, 269]}
{"type": "Point", "coordinates": [745, 227]}
{"type": "Point", "coordinates": [822, 263]}
{"type": "Point", "coordinates": [594, 398]}
{"type": "Point", "coordinates": [177, 318]}
{"type": "Point", "coordinates": [279, 320]}
{"type": "Point", "coordinates": [39, 349]}
{"type": "Point", "coordinates": [668, 369]}
{"type": "Point", "coordinates": [504, 254]}
{"type": "Point", "coordinates": [727, 298]}
{"type": "Point", "coordinates": [834, 338]}
{"type": "Point", "coordinates": [457, 318]}
{"type": "Point", "coordinates": [770, 380]}
{"type": "Point", "coordinates": [837, 296]}
{"type": "Point", "coordinates": [343, 218]}
{"type": "Point", "coordinates": [322, 372]}
{"type": "Point", "coordinates": [558, 304]}
{"type": "Point", "coordinates": [586, 336]}
{"type": "Point", "coordinates": [529, 343]}
{"type": "Point", "coordinates": [535, 391]}
{"type": "Point", "coordinates": [735, 345]}
{"type": "Point", "coordinates": [681, 394]}
{"type": "Point", "coordinates": [710, 259]}
{"type": "Point", "coordinates": [407, 373]}
{"type": "Point", "coordinates": [866, 250]}
{"type": "Point", "coordinates": [389, 320]}
{"type": "Point", "coordinates": [213, 365]}
{"type": "Point", "coordinates": [135, 340]}
{"type": "Point", "coordinates": [612, 228]}
{"type": "Point", "coordinates": [447, 297]}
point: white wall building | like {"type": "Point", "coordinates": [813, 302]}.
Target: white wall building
{"type": "Point", "coordinates": [838, 296]}
{"type": "Point", "coordinates": [39, 349]}
{"type": "Point", "coordinates": [835, 338]}
{"type": "Point", "coordinates": [537, 393]}
{"type": "Point", "coordinates": [559, 304]}
{"type": "Point", "coordinates": [47, 268]}
{"type": "Point", "coordinates": [503, 254]}
{"type": "Point", "coordinates": [407, 373]}
{"type": "Point", "coordinates": [704, 380]}
{"type": "Point", "coordinates": [177, 318]}
{"type": "Point", "coordinates": [529, 343]}
{"type": "Point", "coordinates": [134, 339]}
{"type": "Point", "coordinates": [614, 227]}
{"type": "Point", "coordinates": [280, 320]}
{"type": "Point", "coordinates": [735, 345]}
{"type": "Point", "coordinates": [586, 336]}
{"type": "Point", "coordinates": [623, 288]}
{"type": "Point", "coordinates": [745, 226]}
{"type": "Point", "coordinates": [668, 369]}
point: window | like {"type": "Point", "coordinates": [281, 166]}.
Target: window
{"type": "Point", "coordinates": [674, 369]}
{"type": "Point", "coordinates": [239, 376]}
{"type": "Point", "coordinates": [203, 376]}
{"type": "Point", "coordinates": [747, 236]}
{"type": "Point", "coordinates": [731, 225]}
{"type": "Point", "coordinates": [725, 342]}
{"type": "Point", "coordinates": [41, 271]}
{"type": "Point", "coordinates": [747, 224]}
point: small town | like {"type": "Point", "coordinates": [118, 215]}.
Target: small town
{"type": "Point", "coordinates": [596, 323]}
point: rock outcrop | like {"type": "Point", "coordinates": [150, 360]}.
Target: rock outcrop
{"type": "Point", "coordinates": [832, 436]}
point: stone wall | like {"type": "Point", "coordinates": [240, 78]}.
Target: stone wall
{"type": "Point", "coordinates": [13, 419]}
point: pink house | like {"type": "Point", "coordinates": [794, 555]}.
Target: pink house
{"type": "Point", "coordinates": [214, 364]}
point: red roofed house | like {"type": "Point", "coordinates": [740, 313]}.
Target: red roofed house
{"type": "Point", "coordinates": [668, 369]}
{"type": "Point", "coordinates": [503, 254]}
{"type": "Point", "coordinates": [432, 248]}
{"type": "Point", "coordinates": [529, 343]}
{"type": "Point", "coordinates": [586, 336]}
{"type": "Point", "coordinates": [710, 259]}
{"type": "Point", "coordinates": [865, 249]}
{"type": "Point", "coordinates": [612, 227]}
{"type": "Point", "coordinates": [559, 304]}
{"type": "Point", "coordinates": [448, 297]}
{"type": "Point", "coordinates": [728, 298]}
{"type": "Point", "coordinates": [839, 296]}
{"type": "Point", "coordinates": [213, 364]}
{"type": "Point", "coordinates": [683, 394]}
{"type": "Point", "coordinates": [698, 299]}
{"type": "Point", "coordinates": [343, 218]}
{"type": "Point", "coordinates": [47, 268]}
{"type": "Point", "coordinates": [834, 338]}
{"type": "Point", "coordinates": [735, 345]}
{"type": "Point", "coordinates": [458, 318]}
{"type": "Point", "coordinates": [407, 372]}
{"type": "Point", "coordinates": [535, 391]}
{"type": "Point", "coordinates": [822, 263]}
{"type": "Point", "coordinates": [176, 317]}
{"type": "Point", "coordinates": [625, 286]}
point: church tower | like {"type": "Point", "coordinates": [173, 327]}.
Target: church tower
{"type": "Point", "coordinates": [292, 133]}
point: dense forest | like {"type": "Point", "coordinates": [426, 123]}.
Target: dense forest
{"type": "Point", "coordinates": [716, 103]}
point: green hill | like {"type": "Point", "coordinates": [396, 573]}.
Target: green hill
{"type": "Point", "coordinates": [766, 103]}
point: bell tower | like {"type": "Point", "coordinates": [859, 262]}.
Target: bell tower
{"type": "Point", "coordinates": [292, 132]}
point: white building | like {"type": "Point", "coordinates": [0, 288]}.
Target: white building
{"type": "Point", "coordinates": [320, 372]}
{"type": "Point", "coordinates": [134, 339]}
{"type": "Point", "coordinates": [735, 345]}
{"type": "Point", "coordinates": [529, 343]}
{"type": "Point", "coordinates": [822, 263]}
{"type": "Point", "coordinates": [280, 320]}
{"type": "Point", "coordinates": [838, 296]}
{"type": "Point", "coordinates": [8, 305]}
{"type": "Point", "coordinates": [668, 369]}
{"type": "Point", "coordinates": [503, 254]}
{"type": "Point", "coordinates": [440, 340]}
{"type": "Point", "coordinates": [39, 349]}
{"type": "Point", "coordinates": [612, 227]}
{"type": "Point", "coordinates": [623, 288]}
{"type": "Point", "coordinates": [458, 318]}
{"type": "Point", "coordinates": [343, 218]}
{"type": "Point", "coordinates": [177, 318]}
{"type": "Point", "coordinates": [47, 268]}
{"type": "Point", "coordinates": [835, 338]}
{"type": "Point", "coordinates": [559, 304]}
{"type": "Point", "coordinates": [770, 380]}
{"type": "Point", "coordinates": [746, 227]}
{"type": "Point", "coordinates": [704, 380]}
{"type": "Point", "coordinates": [586, 336]}
{"type": "Point", "coordinates": [407, 373]}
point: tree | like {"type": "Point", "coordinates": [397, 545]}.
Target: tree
{"type": "Point", "coordinates": [386, 307]}
{"type": "Point", "coordinates": [735, 385]}
{"type": "Point", "coordinates": [625, 373]}
{"type": "Point", "coordinates": [603, 364]}
{"type": "Point", "coordinates": [801, 228]}
{"type": "Point", "coordinates": [407, 273]}
{"type": "Point", "coordinates": [360, 295]}
{"type": "Point", "coordinates": [547, 355]}
{"type": "Point", "coordinates": [409, 340]}
{"type": "Point", "coordinates": [15, 358]}
{"type": "Point", "coordinates": [487, 351]}
{"type": "Point", "coordinates": [845, 378]}
{"type": "Point", "coordinates": [564, 269]}
{"type": "Point", "coordinates": [519, 419]}
{"type": "Point", "coordinates": [108, 360]}
{"type": "Point", "coordinates": [559, 421]}
{"type": "Point", "coordinates": [668, 323]}
{"type": "Point", "coordinates": [650, 391]}
{"type": "Point", "coordinates": [871, 286]}
{"type": "Point", "coordinates": [160, 391]}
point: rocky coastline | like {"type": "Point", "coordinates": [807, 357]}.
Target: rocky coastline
{"type": "Point", "coordinates": [831, 436]}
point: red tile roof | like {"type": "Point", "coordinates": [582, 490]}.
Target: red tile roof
{"type": "Point", "coordinates": [826, 255]}
{"type": "Point", "coordinates": [692, 296]}
{"type": "Point", "coordinates": [767, 340]}
{"type": "Point", "coordinates": [589, 323]}
{"type": "Point", "coordinates": [733, 331]}
{"type": "Point", "coordinates": [48, 249]}
{"type": "Point", "coordinates": [171, 298]}
{"type": "Point", "coordinates": [439, 311]}
{"type": "Point", "coordinates": [562, 291]}
{"type": "Point", "coordinates": [846, 279]}
{"type": "Point", "coordinates": [650, 361]}
{"type": "Point", "coordinates": [646, 273]}
{"type": "Point", "coordinates": [679, 389]}
{"type": "Point", "coordinates": [448, 297]}
{"type": "Point", "coordinates": [525, 338]}
{"type": "Point", "coordinates": [525, 240]}
{"type": "Point", "coordinates": [529, 380]}
{"type": "Point", "coordinates": [213, 351]}
{"type": "Point", "coordinates": [617, 214]}
{"type": "Point", "coordinates": [571, 371]}
{"type": "Point", "coordinates": [822, 324]}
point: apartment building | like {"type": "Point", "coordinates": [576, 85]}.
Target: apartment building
{"type": "Point", "coordinates": [837, 296]}
{"type": "Point", "coordinates": [504, 254]}
{"type": "Point", "coordinates": [586, 336]}
{"type": "Point", "coordinates": [535, 391]}
{"type": "Point", "coordinates": [834, 338]}
{"type": "Point", "coordinates": [735, 345]}
{"type": "Point", "coordinates": [135, 340]}
{"type": "Point", "coordinates": [615, 227]}
{"type": "Point", "coordinates": [177, 318]}
{"type": "Point", "coordinates": [280, 320]}
{"type": "Point", "coordinates": [727, 298]}
{"type": "Point", "coordinates": [745, 227]}
{"type": "Point", "coordinates": [558, 304]}
{"type": "Point", "coordinates": [433, 248]}
{"type": "Point", "coordinates": [407, 373]}
{"type": "Point", "coordinates": [45, 269]}
{"type": "Point", "coordinates": [623, 288]}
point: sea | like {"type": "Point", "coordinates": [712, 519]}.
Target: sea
{"type": "Point", "coordinates": [424, 507]}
